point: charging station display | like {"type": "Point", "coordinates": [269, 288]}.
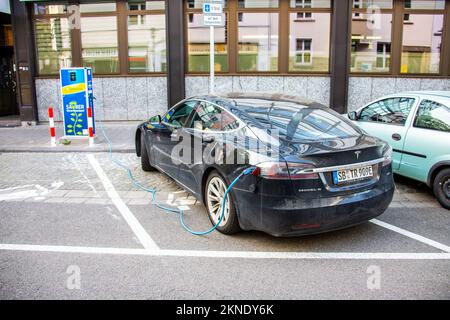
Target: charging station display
{"type": "Point", "coordinates": [76, 96]}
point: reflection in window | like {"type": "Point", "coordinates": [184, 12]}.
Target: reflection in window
{"type": "Point", "coordinates": [309, 42]}
{"type": "Point", "coordinates": [53, 45]}
{"type": "Point", "coordinates": [314, 123]}
{"type": "Point", "coordinates": [41, 8]}
{"type": "Point", "coordinates": [258, 42]}
{"type": "Point", "coordinates": [391, 111]}
{"type": "Point", "coordinates": [306, 4]}
{"type": "Point", "coordinates": [208, 117]}
{"type": "Point", "coordinates": [371, 43]}
{"type": "Point", "coordinates": [134, 5]}
{"type": "Point", "coordinates": [99, 44]}
{"type": "Point", "coordinates": [198, 45]}
{"type": "Point", "coordinates": [422, 39]}
{"type": "Point", "coordinates": [381, 4]}
{"type": "Point", "coordinates": [147, 43]}
{"type": "Point", "coordinates": [258, 4]}
{"type": "Point", "coordinates": [433, 115]}
{"type": "Point", "coordinates": [425, 4]}
{"type": "Point", "coordinates": [98, 7]}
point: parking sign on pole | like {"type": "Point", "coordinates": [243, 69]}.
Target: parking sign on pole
{"type": "Point", "coordinates": [212, 16]}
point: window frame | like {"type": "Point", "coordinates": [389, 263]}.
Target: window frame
{"type": "Point", "coordinates": [119, 53]}
{"type": "Point", "coordinates": [129, 13]}
{"type": "Point", "coordinates": [286, 55]}
{"type": "Point", "coordinates": [398, 11]}
{"type": "Point", "coordinates": [414, 103]}
{"type": "Point", "coordinates": [121, 13]}
{"type": "Point", "coordinates": [188, 11]}
{"type": "Point", "coordinates": [48, 16]}
{"type": "Point", "coordinates": [446, 20]}
{"type": "Point", "coordinates": [233, 11]}
{"type": "Point", "coordinates": [360, 11]}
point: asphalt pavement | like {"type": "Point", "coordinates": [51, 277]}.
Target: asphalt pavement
{"type": "Point", "coordinates": [74, 227]}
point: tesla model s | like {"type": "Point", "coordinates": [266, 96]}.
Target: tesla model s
{"type": "Point", "coordinates": [314, 170]}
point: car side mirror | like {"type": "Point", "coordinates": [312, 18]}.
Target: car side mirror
{"type": "Point", "coordinates": [156, 119]}
{"type": "Point", "coordinates": [353, 115]}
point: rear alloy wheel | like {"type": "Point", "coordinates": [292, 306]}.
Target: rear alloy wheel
{"type": "Point", "coordinates": [145, 160]}
{"type": "Point", "coordinates": [214, 194]}
{"type": "Point", "coordinates": [441, 187]}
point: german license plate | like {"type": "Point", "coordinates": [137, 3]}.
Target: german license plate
{"type": "Point", "coordinates": [348, 175]}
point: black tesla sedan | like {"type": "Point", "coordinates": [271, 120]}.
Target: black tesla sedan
{"type": "Point", "coordinates": [315, 170]}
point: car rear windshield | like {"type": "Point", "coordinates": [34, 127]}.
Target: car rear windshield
{"type": "Point", "coordinates": [293, 121]}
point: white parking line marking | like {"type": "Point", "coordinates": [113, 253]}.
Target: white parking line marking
{"type": "Point", "coordinates": [412, 235]}
{"type": "Point", "coordinates": [231, 254]}
{"type": "Point", "coordinates": [134, 224]}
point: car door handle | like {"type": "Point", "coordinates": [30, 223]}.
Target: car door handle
{"type": "Point", "coordinates": [396, 137]}
{"type": "Point", "coordinates": [208, 139]}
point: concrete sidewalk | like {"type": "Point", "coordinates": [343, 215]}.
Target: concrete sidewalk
{"type": "Point", "coordinates": [37, 139]}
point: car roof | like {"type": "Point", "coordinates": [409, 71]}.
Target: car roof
{"type": "Point", "coordinates": [424, 93]}
{"type": "Point", "coordinates": [232, 99]}
{"type": "Point", "coordinates": [436, 95]}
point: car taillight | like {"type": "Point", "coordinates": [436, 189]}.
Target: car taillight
{"type": "Point", "coordinates": [281, 170]}
{"type": "Point", "coordinates": [299, 171]}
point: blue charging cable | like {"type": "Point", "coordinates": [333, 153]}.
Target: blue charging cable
{"type": "Point", "coordinates": [152, 191]}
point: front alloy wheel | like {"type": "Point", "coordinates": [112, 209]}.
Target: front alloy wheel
{"type": "Point", "coordinates": [214, 194]}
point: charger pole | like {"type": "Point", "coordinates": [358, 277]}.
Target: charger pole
{"type": "Point", "coordinates": [211, 59]}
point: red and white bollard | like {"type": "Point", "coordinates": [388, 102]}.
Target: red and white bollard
{"type": "Point", "coordinates": [51, 123]}
{"type": "Point", "coordinates": [90, 127]}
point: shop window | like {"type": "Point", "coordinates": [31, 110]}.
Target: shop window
{"type": "Point", "coordinates": [371, 42]}
{"type": "Point", "coordinates": [198, 45]}
{"type": "Point", "coordinates": [147, 43]}
{"type": "Point", "coordinates": [146, 36]}
{"type": "Point", "coordinates": [421, 44]}
{"type": "Point", "coordinates": [309, 42]}
{"type": "Point", "coordinates": [99, 47]}
{"type": "Point", "coordinates": [53, 45]}
{"type": "Point", "coordinates": [258, 42]}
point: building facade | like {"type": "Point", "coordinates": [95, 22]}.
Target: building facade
{"type": "Point", "coordinates": [147, 55]}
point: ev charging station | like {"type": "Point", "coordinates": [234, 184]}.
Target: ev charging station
{"type": "Point", "coordinates": [77, 99]}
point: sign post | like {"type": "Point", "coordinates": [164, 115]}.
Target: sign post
{"type": "Point", "coordinates": [212, 16]}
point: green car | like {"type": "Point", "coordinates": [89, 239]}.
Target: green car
{"type": "Point", "coordinates": [417, 126]}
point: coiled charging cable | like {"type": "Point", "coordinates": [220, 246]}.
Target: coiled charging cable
{"type": "Point", "coordinates": [153, 192]}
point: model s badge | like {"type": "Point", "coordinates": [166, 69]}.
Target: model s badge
{"type": "Point", "coordinates": [357, 153]}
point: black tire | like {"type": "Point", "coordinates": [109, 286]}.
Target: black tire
{"type": "Point", "coordinates": [145, 160]}
{"type": "Point", "coordinates": [441, 187]}
{"type": "Point", "coordinates": [231, 224]}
